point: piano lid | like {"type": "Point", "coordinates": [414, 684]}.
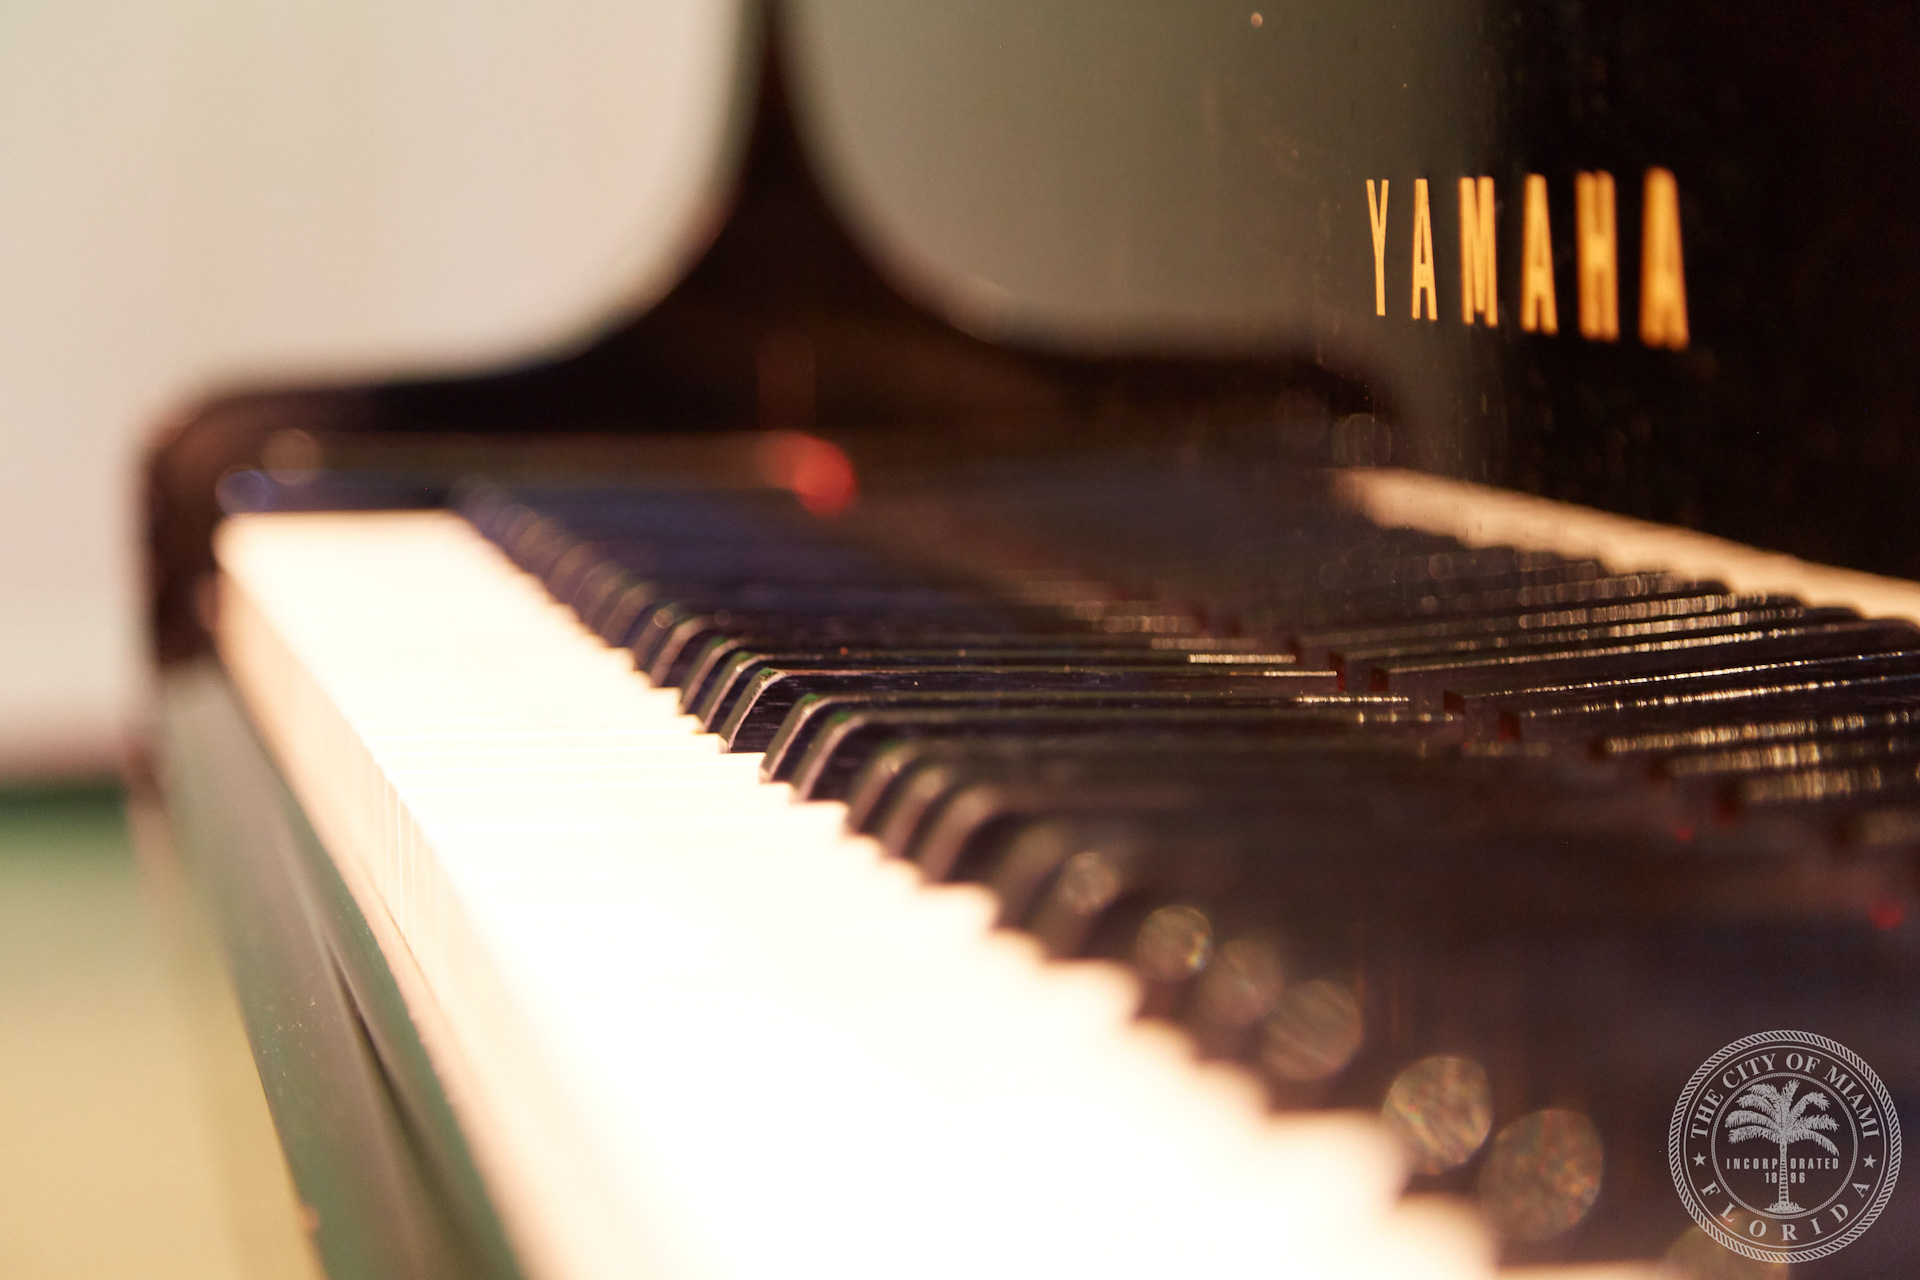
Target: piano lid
{"type": "Point", "coordinates": [1715, 335]}
{"type": "Point", "coordinates": [1670, 285]}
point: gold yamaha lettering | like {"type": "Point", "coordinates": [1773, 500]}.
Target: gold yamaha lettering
{"type": "Point", "coordinates": [1538, 314]}
{"type": "Point", "coordinates": [1478, 278]}
{"type": "Point", "coordinates": [1423, 253]}
{"type": "Point", "coordinates": [1663, 287]}
{"type": "Point", "coordinates": [1599, 265]}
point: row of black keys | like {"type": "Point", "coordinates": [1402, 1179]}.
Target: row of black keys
{"type": "Point", "coordinates": [1762, 700]}
{"type": "Point", "coordinates": [1326, 883]}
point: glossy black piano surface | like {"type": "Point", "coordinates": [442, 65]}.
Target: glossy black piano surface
{"type": "Point", "coordinates": [1074, 304]}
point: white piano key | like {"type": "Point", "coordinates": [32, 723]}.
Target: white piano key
{"type": "Point", "coordinates": [692, 1028]}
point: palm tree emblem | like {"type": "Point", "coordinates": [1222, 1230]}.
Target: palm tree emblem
{"type": "Point", "coordinates": [1771, 1113]}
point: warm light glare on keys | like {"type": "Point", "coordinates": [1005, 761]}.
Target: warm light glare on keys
{"type": "Point", "coordinates": [692, 1028]}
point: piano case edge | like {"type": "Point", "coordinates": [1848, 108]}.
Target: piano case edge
{"type": "Point", "coordinates": [383, 1166]}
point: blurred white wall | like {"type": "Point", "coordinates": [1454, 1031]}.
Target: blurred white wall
{"type": "Point", "coordinates": [197, 190]}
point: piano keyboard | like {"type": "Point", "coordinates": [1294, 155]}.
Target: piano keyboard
{"type": "Point", "coordinates": [1117, 929]}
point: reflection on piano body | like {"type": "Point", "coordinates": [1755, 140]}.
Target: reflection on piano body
{"type": "Point", "coordinates": [1096, 745]}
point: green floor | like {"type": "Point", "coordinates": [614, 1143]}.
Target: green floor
{"type": "Point", "coordinates": [133, 1140]}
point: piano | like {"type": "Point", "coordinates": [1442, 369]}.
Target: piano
{"type": "Point", "coordinates": [1233, 638]}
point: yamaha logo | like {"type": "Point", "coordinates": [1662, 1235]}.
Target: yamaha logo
{"type": "Point", "coordinates": [1784, 1146]}
{"type": "Point", "coordinates": [1663, 287]}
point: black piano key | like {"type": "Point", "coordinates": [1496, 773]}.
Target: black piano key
{"type": "Point", "coordinates": [822, 765]}
{"type": "Point", "coordinates": [1592, 609]}
{"type": "Point", "coordinates": [1580, 584]}
{"type": "Point", "coordinates": [1807, 719]}
{"type": "Point", "coordinates": [1820, 794]}
{"type": "Point", "coordinates": [1499, 674]}
{"type": "Point", "coordinates": [716, 657]}
{"type": "Point", "coordinates": [1492, 638]}
{"type": "Point", "coordinates": [1311, 604]}
{"type": "Point", "coordinates": [926, 819]}
{"type": "Point", "coordinates": [671, 639]}
{"type": "Point", "coordinates": [1713, 767]}
{"type": "Point", "coordinates": [740, 669]}
{"type": "Point", "coordinates": [1663, 702]}
{"type": "Point", "coordinates": [596, 577]}
{"type": "Point", "coordinates": [869, 794]}
{"type": "Point", "coordinates": [622, 604]}
{"type": "Point", "coordinates": [753, 718]}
